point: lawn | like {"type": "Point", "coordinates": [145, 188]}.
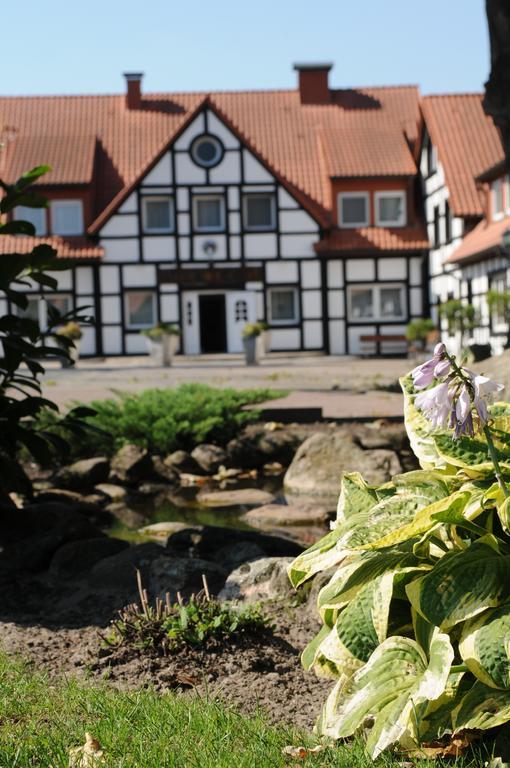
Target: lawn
{"type": "Point", "coordinates": [40, 721]}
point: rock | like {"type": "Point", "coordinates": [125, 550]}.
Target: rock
{"type": "Point", "coordinates": [83, 474]}
{"type": "Point", "coordinates": [162, 531]}
{"type": "Point", "coordinates": [90, 505]}
{"type": "Point", "coordinates": [179, 574]}
{"type": "Point", "coordinates": [75, 557]}
{"type": "Point", "coordinates": [232, 556]}
{"type": "Point", "coordinates": [260, 446]}
{"type": "Point", "coordinates": [264, 579]}
{"type": "Point", "coordinates": [381, 434]}
{"type": "Point", "coordinates": [119, 571]}
{"type": "Point", "coordinates": [129, 517]}
{"type": "Point", "coordinates": [57, 494]}
{"type": "Point", "coordinates": [48, 526]}
{"type": "Point", "coordinates": [283, 514]}
{"type": "Point", "coordinates": [130, 465]}
{"type": "Point", "coordinates": [164, 473]}
{"type": "Point", "coordinates": [209, 457]}
{"type": "Point", "coordinates": [321, 460]}
{"type": "Point", "coordinates": [183, 463]}
{"type": "Point", "coordinates": [249, 497]}
{"type": "Point", "coordinates": [211, 542]}
{"type": "Point", "coordinates": [113, 492]}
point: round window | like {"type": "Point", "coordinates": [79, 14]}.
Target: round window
{"type": "Point", "coordinates": [207, 151]}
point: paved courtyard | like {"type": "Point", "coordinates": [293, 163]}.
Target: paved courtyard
{"type": "Point", "coordinates": [344, 387]}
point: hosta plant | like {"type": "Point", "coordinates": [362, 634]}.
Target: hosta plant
{"type": "Point", "coordinates": [416, 614]}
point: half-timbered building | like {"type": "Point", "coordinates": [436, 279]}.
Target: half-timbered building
{"type": "Point", "coordinates": [301, 208]}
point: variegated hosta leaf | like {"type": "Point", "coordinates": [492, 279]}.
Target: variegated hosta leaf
{"type": "Point", "coordinates": [462, 584]}
{"type": "Point", "coordinates": [485, 647]}
{"type": "Point", "coordinates": [437, 718]}
{"type": "Point", "coordinates": [394, 687]}
{"type": "Point", "coordinates": [482, 708]}
{"type": "Point", "coordinates": [500, 425]}
{"type": "Point", "coordinates": [355, 496]}
{"type": "Point", "coordinates": [422, 521]}
{"type": "Point", "coordinates": [358, 630]}
{"type": "Point", "coordinates": [420, 430]}
{"type": "Point", "coordinates": [433, 485]}
{"type": "Point", "coordinates": [319, 557]}
{"type": "Point", "coordinates": [472, 456]}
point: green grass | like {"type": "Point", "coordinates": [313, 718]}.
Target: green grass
{"type": "Point", "coordinates": [40, 720]}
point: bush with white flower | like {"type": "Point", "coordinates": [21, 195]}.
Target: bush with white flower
{"type": "Point", "coordinates": [416, 614]}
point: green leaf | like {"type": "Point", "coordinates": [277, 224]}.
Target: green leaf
{"type": "Point", "coordinates": [17, 228]}
{"type": "Point", "coordinates": [462, 585]}
{"type": "Point", "coordinates": [420, 431]}
{"type": "Point", "coordinates": [394, 686]}
{"type": "Point", "coordinates": [482, 708]}
{"type": "Point", "coordinates": [355, 496]}
{"type": "Point", "coordinates": [485, 647]}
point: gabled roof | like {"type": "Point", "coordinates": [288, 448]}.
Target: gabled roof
{"type": "Point", "coordinates": [71, 248]}
{"type": "Point", "coordinates": [467, 142]}
{"type": "Point", "coordinates": [481, 242]}
{"type": "Point", "coordinates": [277, 127]}
{"type": "Point", "coordinates": [375, 239]}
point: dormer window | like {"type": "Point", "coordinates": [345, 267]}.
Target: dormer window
{"type": "Point", "coordinates": [36, 217]}
{"type": "Point", "coordinates": [67, 217]}
{"type": "Point", "coordinates": [353, 209]}
{"type": "Point", "coordinates": [390, 209]}
{"type": "Point", "coordinates": [497, 199]}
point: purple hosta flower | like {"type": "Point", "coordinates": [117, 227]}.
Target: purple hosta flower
{"type": "Point", "coordinates": [484, 391]}
{"type": "Point", "coordinates": [438, 366]}
{"type": "Point", "coordinates": [436, 404]}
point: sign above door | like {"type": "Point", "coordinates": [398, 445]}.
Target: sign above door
{"type": "Point", "coordinates": [198, 277]}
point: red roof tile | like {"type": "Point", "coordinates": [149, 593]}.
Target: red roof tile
{"type": "Point", "coordinates": [72, 248]}
{"type": "Point", "coordinates": [276, 125]}
{"type": "Point", "coordinates": [481, 241]}
{"type": "Point", "coordinates": [375, 239]}
{"type": "Point", "coordinates": [467, 142]}
{"type": "Point", "coordinates": [70, 157]}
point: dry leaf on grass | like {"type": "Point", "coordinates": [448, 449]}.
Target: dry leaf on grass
{"type": "Point", "coordinates": [456, 746]}
{"type": "Point", "coordinates": [301, 753]}
{"type": "Point", "coordinates": [88, 756]}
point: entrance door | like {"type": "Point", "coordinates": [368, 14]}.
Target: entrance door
{"type": "Point", "coordinates": [241, 309]}
{"type": "Point", "coordinates": [213, 324]}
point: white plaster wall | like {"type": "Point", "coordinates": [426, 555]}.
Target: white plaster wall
{"type": "Point", "coordinates": [130, 204]}
{"type": "Point", "coordinates": [109, 279]}
{"type": "Point", "coordinates": [84, 280]}
{"type": "Point", "coordinates": [143, 275]}
{"type": "Point", "coordinates": [159, 248]}
{"type": "Point", "coordinates": [293, 246]}
{"type": "Point", "coordinates": [337, 337]}
{"type": "Point", "coordinates": [253, 170]}
{"type": "Point", "coordinates": [111, 309]}
{"type": "Point", "coordinates": [194, 129]}
{"type": "Point", "coordinates": [335, 275]}
{"type": "Point", "coordinates": [186, 172]}
{"type": "Point", "coordinates": [170, 308]}
{"type": "Point", "coordinates": [416, 308]}
{"type": "Point", "coordinates": [217, 128]}
{"type": "Point", "coordinates": [392, 269]}
{"type": "Point", "coordinates": [360, 269]}
{"type": "Point", "coordinates": [228, 171]}
{"type": "Point", "coordinates": [336, 304]}
{"type": "Point", "coordinates": [120, 250]}
{"type": "Point", "coordinates": [262, 245]}
{"type": "Point", "coordinates": [311, 274]}
{"type": "Point", "coordinates": [64, 279]}
{"type": "Point", "coordinates": [235, 247]}
{"type": "Point", "coordinates": [282, 272]}
{"type": "Point", "coordinates": [88, 340]}
{"type": "Point", "coordinates": [285, 338]}
{"type": "Point", "coordinates": [297, 221]}
{"type": "Point", "coordinates": [112, 340]}
{"type": "Point", "coordinates": [311, 302]}
{"type": "Point", "coordinates": [161, 173]}
{"type": "Point", "coordinates": [125, 225]}
{"type": "Point", "coordinates": [312, 334]}
{"type": "Point", "coordinates": [285, 200]}
{"type": "Point", "coordinates": [221, 247]}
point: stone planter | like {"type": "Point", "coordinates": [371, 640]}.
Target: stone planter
{"type": "Point", "coordinates": [265, 338]}
{"type": "Point", "coordinates": [250, 349]}
{"type": "Point", "coordinates": [74, 354]}
{"type": "Point", "coordinates": [162, 350]}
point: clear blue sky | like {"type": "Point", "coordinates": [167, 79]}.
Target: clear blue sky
{"type": "Point", "coordinates": [76, 46]}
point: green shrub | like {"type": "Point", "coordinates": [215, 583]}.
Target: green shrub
{"type": "Point", "coordinates": [164, 420]}
{"type": "Point", "coordinates": [416, 618]}
{"type": "Point", "coordinates": [418, 330]}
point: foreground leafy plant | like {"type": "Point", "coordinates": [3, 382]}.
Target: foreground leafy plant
{"type": "Point", "coordinates": [416, 617]}
{"type": "Point", "coordinates": [168, 627]}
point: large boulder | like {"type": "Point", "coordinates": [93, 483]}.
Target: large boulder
{"type": "Point", "coordinates": [242, 497]}
{"type": "Point", "coordinates": [381, 434]}
{"type": "Point", "coordinates": [180, 574]}
{"type": "Point", "coordinates": [130, 465]}
{"type": "Point", "coordinates": [263, 579]}
{"type": "Point", "coordinates": [259, 446]}
{"type": "Point", "coordinates": [183, 463]}
{"type": "Point", "coordinates": [119, 570]}
{"type": "Point", "coordinates": [209, 457]}
{"type": "Point", "coordinates": [126, 515]}
{"type": "Point", "coordinates": [271, 515]}
{"type": "Point", "coordinates": [76, 557]}
{"type": "Point", "coordinates": [83, 474]}
{"type": "Point", "coordinates": [163, 473]}
{"type": "Point", "coordinates": [323, 458]}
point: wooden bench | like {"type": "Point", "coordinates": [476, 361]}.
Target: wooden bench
{"type": "Point", "coordinates": [380, 338]}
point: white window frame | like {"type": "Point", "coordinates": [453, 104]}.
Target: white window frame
{"type": "Point", "coordinates": [66, 204]}
{"type": "Point", "coordinates": [348, 225]}
{"type": "Point", "coordinates": [158, 199]}
{"type": "Point", "coordinates": [264, 227]}
{"type": "Point", "coordinates": [221, 226]}
{"type": "Point", "coordinates": [384, 195]}
{"type": "Point", "coordinates": [19, 214]}
{"type": "Point", "coordinates": [376, 289]}
{"type": "Point", "coordinates": [497, 215]}
{"type": "Point", "coordinates": [140, 326]}
{"type": "Point", "coordinates": [42, 308]}
{"type": "Point", "coordinates": [280, 288]}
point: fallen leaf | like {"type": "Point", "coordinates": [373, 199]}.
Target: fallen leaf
{"type": "Point", "coordinates": [301, 753]}
{"type": "Point", "coordinates": [88, 756]}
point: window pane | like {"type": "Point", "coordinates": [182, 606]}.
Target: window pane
{"type": "Point", "coordinates": [259, 211]}
{"type": "Point", "coordinates": [354, 210]}
{"type": "Point", "coordinates": [362, 302]}
{"type": "Point", "coordinates": [66, 218]}
{"type": "Point", "coordinates": [283, 305]}
{"type": "Point", "coordinates": [390, 208]}
{"type": "Point", "coordinates": [209, 214]}
{"type": "Point", "coordinates": [140, 308]}
{"type": "Point", "coordinates": [32, 310]}
{"type": "Point", "coordinates": [391, 302]}
{"type": "Point", "coordinates": [157, 214]}
{"type": "Point", "coordinates": [36, 216]}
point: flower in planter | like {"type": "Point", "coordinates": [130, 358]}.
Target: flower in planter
{"type": "Point", "coordinates": [71, 331]}
{"type": "Point", "coordinates": [161, 329]}
{"type": "Point", "coordinates": [252, 330]}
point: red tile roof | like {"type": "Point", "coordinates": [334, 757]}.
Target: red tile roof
{"type": "Point", "coordinates": [483, 240]}
{"type": "Point", "coordinates": [71, 248]}
{"type": "Point", "coordinates": [467, 142]}
{"type": "Point", "coordinates": [375, 239]}
{"type": "Point", "coordinates": [283, 132]}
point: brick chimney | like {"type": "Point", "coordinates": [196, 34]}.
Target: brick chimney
{"type": "Point", "coordinates": [313, 83]}
{"type": "Point", "coordinates": [134, 89]}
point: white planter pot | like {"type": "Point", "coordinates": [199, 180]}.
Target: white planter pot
{"type": "Point", "coordinates": [163, 350]}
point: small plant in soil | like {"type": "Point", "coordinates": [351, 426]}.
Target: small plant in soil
{"type": "Point", "coordinates": [169, 627]}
